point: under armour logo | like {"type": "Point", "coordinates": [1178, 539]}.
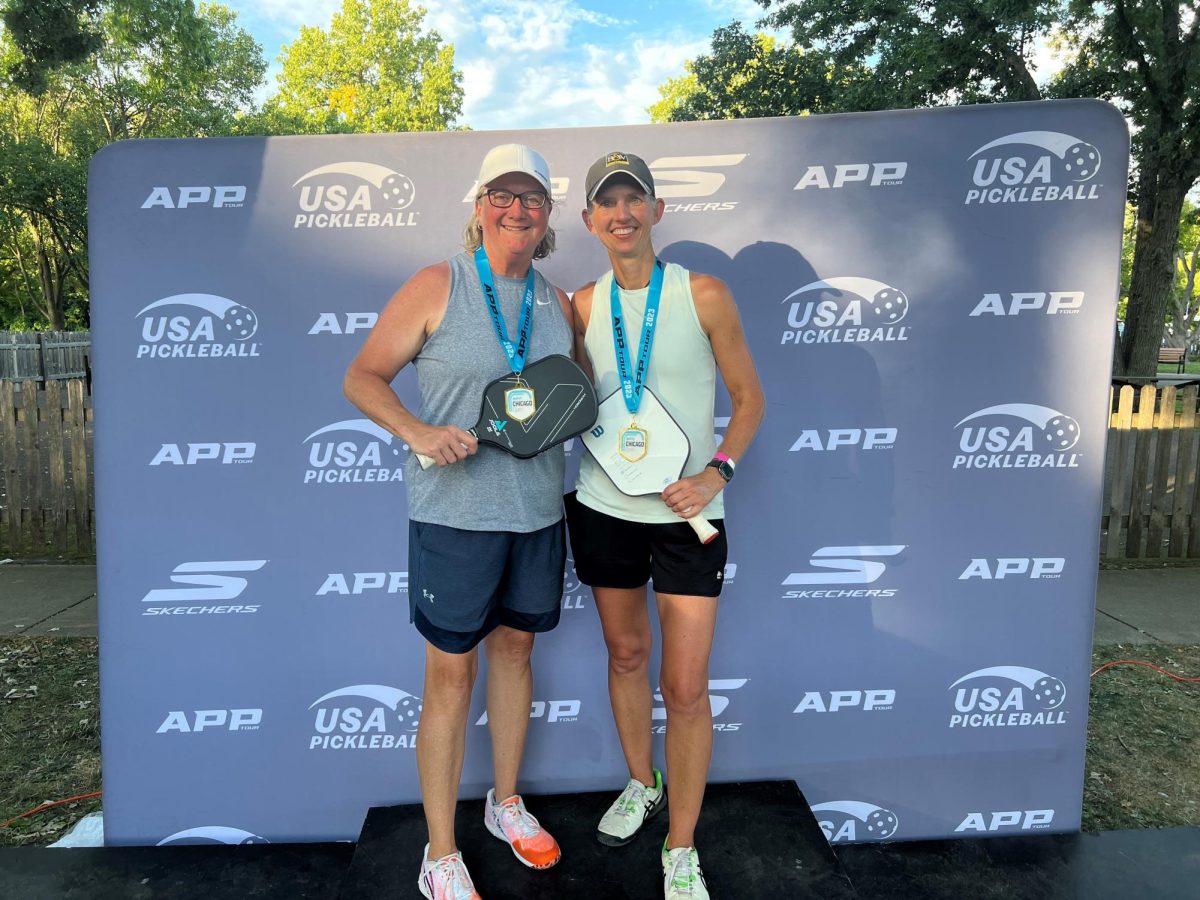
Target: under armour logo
{"type": "Point", "coordinates": [428, 596]}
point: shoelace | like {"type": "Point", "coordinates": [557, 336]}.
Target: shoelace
{"type": "Point", "coordinates": [683, 875]}
{"type": "Point", "coordinates": [513, 816]}
{"type": "Point", "coordinates": [634, 800]}
{"type": "Point", "coordinates": [454, 873]}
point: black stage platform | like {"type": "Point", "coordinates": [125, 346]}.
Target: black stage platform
{"type": "Point", "coordinates": [757, 840]}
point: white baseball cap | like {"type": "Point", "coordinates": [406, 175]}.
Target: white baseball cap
{"type": "Point", "coordinates": [514, 158]}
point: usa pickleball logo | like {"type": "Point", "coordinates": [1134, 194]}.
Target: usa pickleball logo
{"type": "Point", "coordinates": [1033, 167]}
{"type": "Point", "coordinates": [854, 821]}
{"type": "Point", "coordinates": [845, 310]}
{"type": "Point", "coordinates": [365, 717]}
{"type": "Point", "coordinates": [1017, 436]}
{"type": "Point", "coordinates": [1008, 697]}
{"type": "Point", "coordinates": [212, 834]}
{"type": "Point", "coordinates": [197, 326]}
{"type": "Point", "coordinates": [354, 194]}
{"type": "Point", "coordinates": [353, 451]}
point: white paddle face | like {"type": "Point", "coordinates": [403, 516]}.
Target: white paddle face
{"type": "Point", "coordinates": [666, 451]}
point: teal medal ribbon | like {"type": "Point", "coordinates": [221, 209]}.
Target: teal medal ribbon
{"type": "Point", "coordinates": [633, 442]}
{"type": "Point", "coordinates": [519, 402]}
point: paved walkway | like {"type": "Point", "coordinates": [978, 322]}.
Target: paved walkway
{"type": "Point", "coordinates": [1133, 606]}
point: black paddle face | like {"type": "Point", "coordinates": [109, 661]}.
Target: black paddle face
{"type": "Point", "coordinates": [565, 407]}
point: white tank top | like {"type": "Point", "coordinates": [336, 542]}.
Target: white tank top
{"type": "Point", "coordinates": [682, 374]}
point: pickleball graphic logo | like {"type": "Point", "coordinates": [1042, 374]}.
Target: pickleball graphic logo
{"type": "Point", "coordinates": [365, 717]}
{"type": "Point", "coordinates": [353, 194]}
{"type": "Point", "coordinates": [1033, 167]}
{"type": "Point", "coordinates": [850, 821]}
{"type": "Point", "coordinates": [846, 309]}
{"type": "Point", "coordinates": [1017, 436]}
{"type": "Point", "coordinates": [353, 451]}
{"type": "Point", "coordinates": [1008, 696]}
{"type": "Point", "coordinates": [192, 326]}
{"type": "Point", "coordinates": [212, 834]}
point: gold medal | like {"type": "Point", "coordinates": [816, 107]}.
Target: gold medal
{"type": "Point", "coordinates": [633, 443]}
{"type": "Point", "coordinates": [520, 403]}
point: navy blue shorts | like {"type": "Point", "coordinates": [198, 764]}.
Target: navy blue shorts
{"type": "Point", "coordinates": [617, 553]}
{"type": "Point", "coordinates": [463, 584]}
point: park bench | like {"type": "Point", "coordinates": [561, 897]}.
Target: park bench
{"type": "Point", "coordinates": [1173, 356]}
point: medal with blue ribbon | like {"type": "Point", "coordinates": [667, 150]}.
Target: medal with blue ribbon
{"type": "Point", "coordinates": [634, 441]}
{"type": "Point", "coordinates": [519, 403]}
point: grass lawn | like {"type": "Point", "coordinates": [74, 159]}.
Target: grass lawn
{"type": "Point", "coordinates": [1191, 367]}
{"type": "Point", "coordinates": [1143, 768]}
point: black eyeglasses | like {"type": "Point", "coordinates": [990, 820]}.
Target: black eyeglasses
{"type": "Point", "coordinates": [529, 199]}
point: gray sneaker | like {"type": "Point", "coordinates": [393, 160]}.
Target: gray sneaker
{"type": "Point", "coordinates": [682, 878]}
{"type": "Point", "coordinates": [630, 810]}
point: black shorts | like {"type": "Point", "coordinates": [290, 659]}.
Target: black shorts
{"type": "Point", "coordinates": [616, 553]}
{"type": "Point", "coordinates": [463, 584]}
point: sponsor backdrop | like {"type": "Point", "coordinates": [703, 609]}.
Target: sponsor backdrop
{"type": "Point", "coordinates": [906, 622]}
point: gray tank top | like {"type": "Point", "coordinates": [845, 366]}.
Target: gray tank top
{"type": "Point", "coordinates": [490, 491]}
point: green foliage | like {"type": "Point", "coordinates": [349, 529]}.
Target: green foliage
{"type": "Point", "coordinates": [748, 75]}
{"type": "Point", "coordinates": [373, 70]}
{"type": "Point", "coordinates": [162, 68]}
{"type": "Point", "coordinates": [47, 35]}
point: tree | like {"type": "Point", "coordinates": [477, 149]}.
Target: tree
{"type": "Point", "coordinates": [1185, 302]}
{"type": "Point", "coordinates": [1142, 55]}
{"type": "Point", "coordinates": [163, 68]}
{"type": "Point", "coordinates": [749, 75]}
{"type": "Point", "coordinates": [374, 70]}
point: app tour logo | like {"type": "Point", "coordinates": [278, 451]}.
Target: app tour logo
{"type": "Point", "coordinates": [221, 196]}
{"type": "Point", "coordinates": [1008, 696]}
{"type": "Point", "coordinates": [191, 326]}
{"type": "Point", "coordinates": [355, 195]}
{"type": "Point", "coordinates": [551, 711]}
{"type": "Point", "coordinates": [1050, 303]}
{"type": "Point", "coordinates": [355, 583]}
{"type": "Point", "coordinates": [884, 174]}
{"type": "Point", "coordinates": [196, 721]}
{"type": "Point", "coordinates": [1033, 167]}
{"type": "Point", "coordinates": [838, 701]}
{"type": "Point", "coordinates": [837, 438]}
{"type": "Point", "coordinates": [848, 821]}
{"type": "Point", "coordinates": [218, 453]}
{"type": "Point", "coordinates": [365, 717]}
{"type": "Point", "coordinates": [1034, 567]}
{"type": "Point", "coordinates": [1009, 820]}
{"type": "Point", "coordinates": [343, 323]}
{"type": "Point", "coordinates": [1032, 437]}
{"type": "Point", "coordinates": [866, 311]}
{"type": "Point", "coordinates": [365, 453]}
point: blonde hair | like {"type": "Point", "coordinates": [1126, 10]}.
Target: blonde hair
{"type": "Point", "coordinates": [473, 232]}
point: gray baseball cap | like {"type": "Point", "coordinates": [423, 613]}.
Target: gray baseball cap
{"type": "Point", "coordinates": [618, 163]}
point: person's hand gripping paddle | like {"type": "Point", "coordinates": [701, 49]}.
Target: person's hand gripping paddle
{"type": "Point", "coordinates": [636, 441]}
{"type": "Point", "coordinates": [563, 405]}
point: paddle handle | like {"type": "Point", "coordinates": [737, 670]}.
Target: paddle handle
{"type": "Point", "coordinates": [427, 461]}
{"type": "Point", "coordinates": [703, 529]}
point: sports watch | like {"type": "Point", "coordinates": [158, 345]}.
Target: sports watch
{"type": "Point", "coordinates": [724, 466]}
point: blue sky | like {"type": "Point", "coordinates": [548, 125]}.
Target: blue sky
{"type": "Point", "coordinates": [539, 63]}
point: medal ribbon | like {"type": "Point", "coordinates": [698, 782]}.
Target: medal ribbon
{"type": "Point", "coordinates": [632, 383]}
{"type": "Point", "coordinates": [514, 353]}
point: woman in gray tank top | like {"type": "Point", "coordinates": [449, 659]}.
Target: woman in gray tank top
{"type": "Point", "coordinates": [486, 535]}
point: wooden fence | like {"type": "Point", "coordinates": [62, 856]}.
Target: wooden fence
{"type": "Point", "coordinates": [1151, 489]}
{"type": "Point", "coordinates": [46, 493]}
{"type": "Point", "coordinates": [1151, 482]}
{"type": "Point", "coordinates": [44, 355]}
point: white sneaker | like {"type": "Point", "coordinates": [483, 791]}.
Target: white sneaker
{"type": "Point", "coordinates": [445, 878]}
{"type": "Point", "coordinates": [682, 878]}
{"type": "Point", "coordinates": [630, 811]}
{"type": "Point", "coordinates": [512, 823]}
